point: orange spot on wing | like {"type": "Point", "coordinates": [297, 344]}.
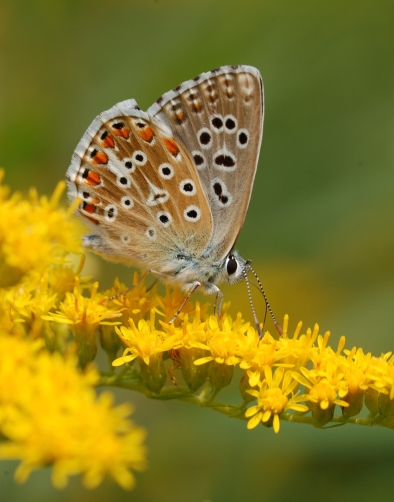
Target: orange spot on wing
{"type": "Point", "coordinates": [109, 142]}
{"type": "Point", "coordinates": [197, 105]}
{"type": "Point", "coordinates": [124, 132]}
{"type": "Point", "coordinates": [146, 134]}
{"type": "Point", "coordinates": [89, 208]}
{"type": "Point", "coordinates": [171, 146]}
{"type": "Point", "coordinates": [100, 158]}
{"type": "Point", "coordinates": [180, 115]}
{"type": "Point", "coordinates": [93, 178]}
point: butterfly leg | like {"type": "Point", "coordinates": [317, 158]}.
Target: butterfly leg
{"type": "Point", "coordinates": [132, 287]}
{"type": "Point", "coordinates": [195, 285]}
{"type": "Point", "coordinates": [217, 306]}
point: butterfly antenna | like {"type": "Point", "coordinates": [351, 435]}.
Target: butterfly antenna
{"type": "Point", "coordinates": [256, 321]}
{"type": "Point", "coordinates": [277, 325]}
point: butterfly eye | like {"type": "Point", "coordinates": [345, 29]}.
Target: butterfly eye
{"type": "Point", "coordinates": [232, 265]}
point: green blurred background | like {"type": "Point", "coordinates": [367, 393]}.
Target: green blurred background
{"type": "Point", "coordinates": [319, 228]}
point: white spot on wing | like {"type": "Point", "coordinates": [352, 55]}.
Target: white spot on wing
{"type": "Point", "coordinates": [192, 213]}
{"type": "Point", "coordinates": [151, 233]}
{"type": "Point", "coordinates": [123, 181]}
{"type": "Point", "coordinates": [204, 136]}
{"type": "Point", "coordinates": [242, 138]}
{"type": "Point", "coordinates": [187, 187]}
{"type": "Point", "coordinates": [163, 171]}
{"type": "Point", "coordinates": [125, 238]}
{"type": "Point", "coordinates": [139, 157]}
{"type": "Point", "coordinates": [164, 218]}
{"type": "Point", "coordinates": [110, 212]}
{"type": "Point", "coordinates": [220, 193]}
{"type": "Point", "coordinates": [127, 202]}
{"type": "Point", "coordinates": [156, 195]}
{"type": "Point", "coordinates": [199, 159]}
{"type": "Point", "coordinates": [230, 124]}
{"type": "Point", "coordinates": [129, 164]}
{"type": "Point", "coordinates": [216, 122]}
{"type": "Point", "coordinates": [224, 160]}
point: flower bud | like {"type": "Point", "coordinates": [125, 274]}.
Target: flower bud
{"type": "Point", "coordinates": [355, 400]}
{"type": "Point", "coordinates": [386, 405]}
{"type": "Point", "coordinates": [86, 340]}
{"type": "Point", "coordinates": [371, 400]}
{"type": "Point", "coordinates": [110, 341]}
{"type": "Point", "coordinates": [244, 385]}
{"type": "Point", "coordinates": [194, 376]}
{"type": "Point", "coordinates": [154, 374]}
{"type": "Point", "coordinates": [220, 375]}
{"type": "Point", "coordinates": [322, 417]}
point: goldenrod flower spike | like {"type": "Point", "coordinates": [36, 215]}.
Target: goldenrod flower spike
{"type": "Point", "coordinates": [296, 378]}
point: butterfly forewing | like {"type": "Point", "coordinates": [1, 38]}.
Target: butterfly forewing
{"type": "Point", "coordinates": [139, 189]}
{"type": "Point", "coordinates": [219, 116]}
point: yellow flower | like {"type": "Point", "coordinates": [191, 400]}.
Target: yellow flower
{"type": "Point", "coordinates": [171, 302]}
{"type": "Point", "coordinates": [49, 414]}
{"type": "Point", "coordinates": [356, 374]}
{"type": "Point", "coordinates": [84, 315]}
{"type": "Point", "coordinates": [273, 398]}
{"type": "Point", "coordinates": [135, 301]}
{"type": "Point", "coordinates": [10, 322]}
{"type": "Point", "coordinates": [323, 386]}
{"type": "Point", "coordinates": [34, 233]}
{"type": "Point", "coordinates": [30, 300]}
{"type": "Point", "coordinates": [222, 341]}
{"type": "Point", "coordinates": [299, 349]}
{"type": "Point", "coordinates": [143, 341]}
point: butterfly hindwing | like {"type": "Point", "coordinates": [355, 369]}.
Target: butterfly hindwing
{"type": "Point", "coordinates": [138, 189]}
{"type": "Point", "coordinates": [219, 117]}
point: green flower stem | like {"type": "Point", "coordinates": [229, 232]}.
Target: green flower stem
{"type": "Point", "coordinates": [366, 421]}
{"type": "Point", "coordinates": [203, 399]}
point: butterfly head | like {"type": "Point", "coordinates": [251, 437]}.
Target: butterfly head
{"type": "Point", "coordinates": [235, 267]}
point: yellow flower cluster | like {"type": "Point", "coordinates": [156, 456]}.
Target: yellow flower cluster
{"type": "Point", "coordinates": [49, 410]}
{"type": "Point", "coordinates": [50, 414]}
{"type": "Point", "coordinates": [34, 233]}
{"type": "Point", "coordinates": [274, 369]}
{"type": "Point", "coordinates": [51, 320]}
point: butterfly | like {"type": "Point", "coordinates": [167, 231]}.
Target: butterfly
{"type": "Point", "coordinates": [168, 189]}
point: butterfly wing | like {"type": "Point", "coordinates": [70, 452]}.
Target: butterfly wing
{"type": "Point", "coordinates": [219, 117]}
{"type": "Point", "coordinates": [139, 190]}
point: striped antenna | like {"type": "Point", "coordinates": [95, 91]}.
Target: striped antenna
{"type": "Point", "coordinates": [268, 306]}
{"type": "Point", "coordinates": [256, 321]}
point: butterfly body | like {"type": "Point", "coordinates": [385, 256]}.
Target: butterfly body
{"type": "Point", "coordinates": [168, 189]}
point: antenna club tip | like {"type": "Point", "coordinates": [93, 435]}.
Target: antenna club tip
{"type": "Point", "coordinates": [279, 329]}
